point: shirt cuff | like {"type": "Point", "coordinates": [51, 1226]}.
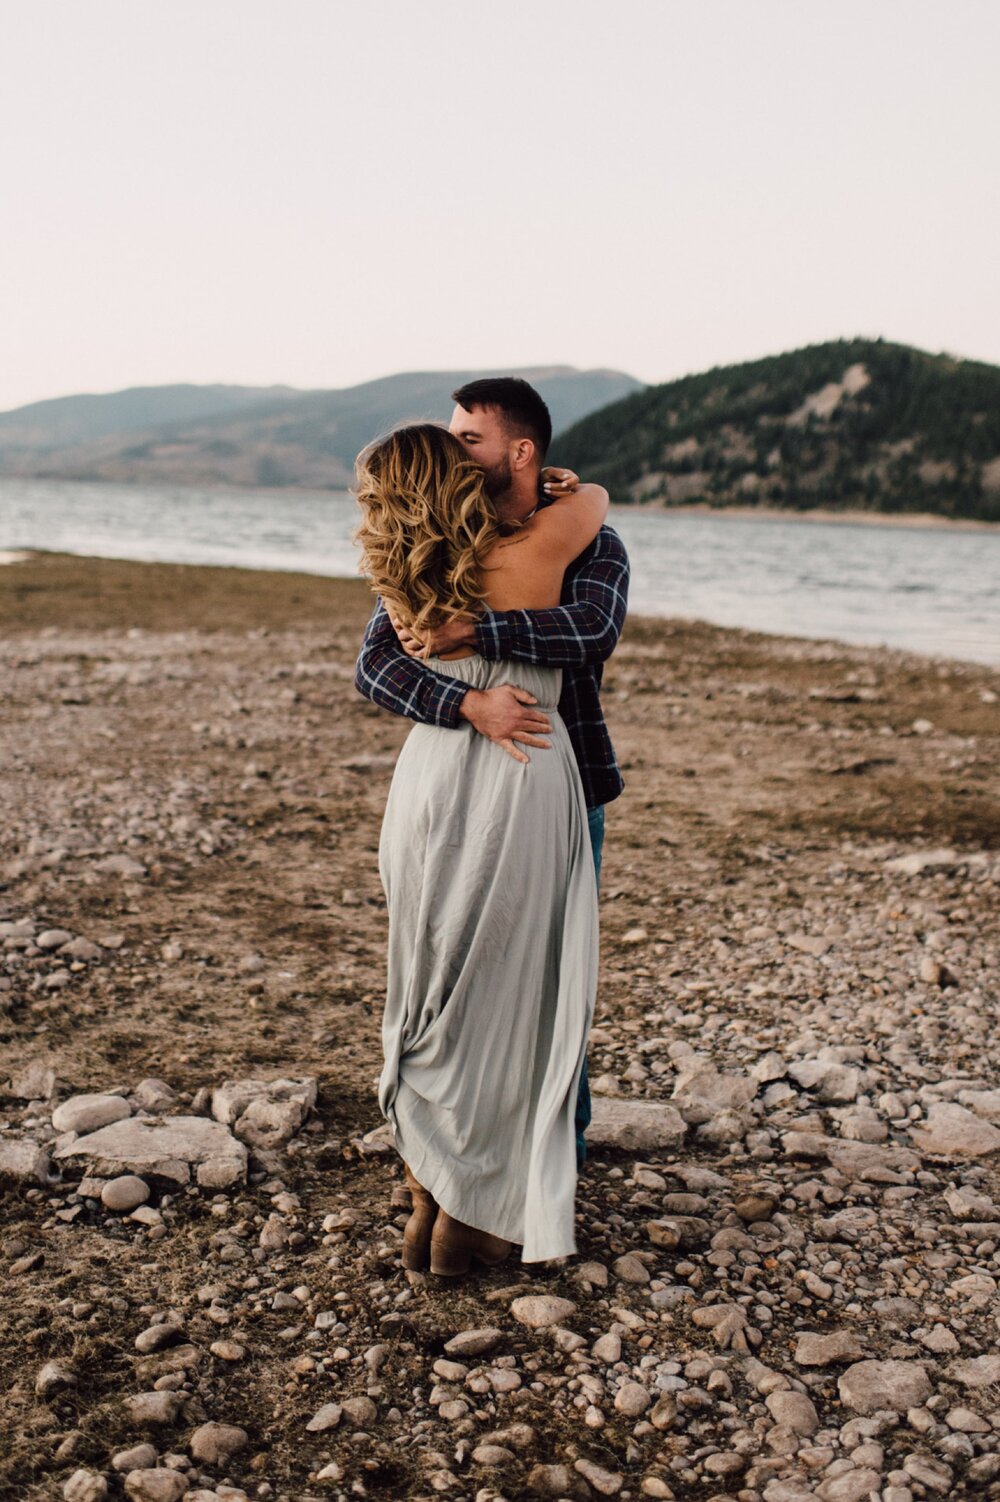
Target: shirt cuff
{"type": "Point", "coordinates": [450, 697]}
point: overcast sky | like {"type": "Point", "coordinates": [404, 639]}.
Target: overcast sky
{"type": "Point", "coordinates": [317, 192]}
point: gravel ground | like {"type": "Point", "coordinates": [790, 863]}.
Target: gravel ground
{"type": "Point", "coordinates": [786, 1283]}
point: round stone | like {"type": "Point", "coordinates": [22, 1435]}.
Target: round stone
{"type": "Point", "coordinates": [86, 1113]}
{"type": "Point", "coordinates": [632, 1399]}
{"type": "Point", "coordinates": [127, 1192]}
{"type": "Point", "coordinates": [216, 1444]}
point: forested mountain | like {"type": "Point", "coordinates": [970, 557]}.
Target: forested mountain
{"type": "Point", "coordinates": [246, 436]}
{"type": "Point", "coordinates": [853, 424]}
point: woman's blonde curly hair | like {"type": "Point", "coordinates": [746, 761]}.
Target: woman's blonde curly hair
{"type": "Point", "coordinates": [427, 524]}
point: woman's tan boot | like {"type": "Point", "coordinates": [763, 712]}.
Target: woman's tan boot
{"type": "Point", "coordinates": [417, 1235]}
{"type": "Point", "coordinates": [454, 1246]}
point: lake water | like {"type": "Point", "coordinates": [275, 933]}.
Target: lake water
{"type": "Point", "coordinates": [925, 589]}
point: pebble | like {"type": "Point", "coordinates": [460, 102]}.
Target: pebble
{"type": "Point", "coordinates": [540, 1311]}
{"type": "Point", "coordinates": [630, 1268]}
{"type": "Point", "coordinates": [473, 1342]}
{"type": "Point", "coordinates": [215, 1444]}
{"type": "Point", "coordinates": [360, 1411]}
{"type": "Point", "coordinates": [605, 1483]}
{"type": "Point", "coordinates": [85, 1486]}
{"type": "Point", "coordinates": [126, 1192]}
{"type": "Point", "coordinates": [227, 1350]}
{"type": "Point", "coordinates": [549, 1480]}
{"type": "Point", "coordinates": [154, 1408]}
{"type": "Point", "coordinates": [795, 1411]}
{"type": "Point", "coordinates": [868, 1386]}
{"type": "Point", "coordinates": [827, 1350]}
{"type": "Point", "coordinates": [138, 1458]}
{"type": "Point", "coordinates": [327, 1417]}
{"type": "Point", "coordinates": [155, 1485]}
{"type": "Point", "coordinates": [158, 1337]}
{"type": "Point", "coordinates": [632, 1399]}
{"type": "Point", "coordinates": [53, 1377]}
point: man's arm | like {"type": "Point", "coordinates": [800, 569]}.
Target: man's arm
{"type": "Point", "coordinates": [584, 630]}
{"type": "Point", "coordinates": [394, 681]}
{"type": "Point", "coordinates": [385, 675]}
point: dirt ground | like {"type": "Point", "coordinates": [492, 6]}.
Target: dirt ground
{"type": "Point", "coordinates": [204, 722]}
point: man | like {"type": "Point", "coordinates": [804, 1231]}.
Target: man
{"type": "Point", "coordinates": [505, 426]}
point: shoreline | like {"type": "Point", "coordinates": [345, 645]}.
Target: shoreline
{"type": "Point", "coordinates": [282, 583]}
{"type": "Point", "coordinates": [912, 520]}
{"type": "Point", "coordinates": [851, 517]}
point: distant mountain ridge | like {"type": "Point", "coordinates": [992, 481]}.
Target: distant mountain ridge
{"type": "Point", "coordinates": [853, 424]}
{"type": "Point", "coordinates": [243, 435]}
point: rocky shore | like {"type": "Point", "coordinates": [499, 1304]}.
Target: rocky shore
{"type": "Point", "coordinates": [789, 1227]}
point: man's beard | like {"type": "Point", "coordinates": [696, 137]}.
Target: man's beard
{"type": "Point", "coordinates": [498, 479]}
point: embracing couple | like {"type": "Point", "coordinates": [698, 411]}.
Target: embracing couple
{"type": "Point", "coordinates": [501, 594]}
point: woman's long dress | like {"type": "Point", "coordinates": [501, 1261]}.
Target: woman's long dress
{"type": "Point", "coordinates": [489, 876]}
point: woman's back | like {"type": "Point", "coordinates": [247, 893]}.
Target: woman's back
{"type": "Point", "coordinates": [525, 571]}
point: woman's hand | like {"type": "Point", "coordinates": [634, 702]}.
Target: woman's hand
{"type": "Point", "coordinates": [435, 643]}
{"type": "Point", "coordinates": [557, 482]}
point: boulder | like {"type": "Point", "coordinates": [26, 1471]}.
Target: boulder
{"type": "Point", "coordinates": [264, 1113]}
{"type": "Point", "coordinates": [165, 1149]}
{"type": "Point", "coordinates": [634, 1125]}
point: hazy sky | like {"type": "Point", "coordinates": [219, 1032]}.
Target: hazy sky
{"type": "Point", "coordinates": [318, 192]}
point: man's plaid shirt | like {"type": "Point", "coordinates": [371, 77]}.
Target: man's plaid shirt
{"type": "Point", "coordinates": [577, 636]}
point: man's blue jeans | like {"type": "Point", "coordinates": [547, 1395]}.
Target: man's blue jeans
{"type": "Point", "coordinates": [595, 819]}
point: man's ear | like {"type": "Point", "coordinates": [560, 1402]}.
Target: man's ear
{"type": "Point", "coordinates": [522, 453]}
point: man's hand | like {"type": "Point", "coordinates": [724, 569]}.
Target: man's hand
{"type": "Point", "coordinates": [504, 715]}
{"type": "Point", "coordinates": [557, 482]}
{"type": "Point", "coordinates": [435, 643]}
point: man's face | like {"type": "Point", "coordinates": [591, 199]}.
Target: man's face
{"type": "Point", "coordinates": [482, 434]}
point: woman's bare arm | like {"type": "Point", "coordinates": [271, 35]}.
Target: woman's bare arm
{"type": "Point", "coordinates": [570, 523]}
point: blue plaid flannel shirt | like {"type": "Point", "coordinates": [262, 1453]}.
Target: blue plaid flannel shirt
{"type": "Point", "coordinates": [578, 636]}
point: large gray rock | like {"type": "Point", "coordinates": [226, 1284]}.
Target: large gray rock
{"type": "Point", "coordinates": [868, 1386]}
{"type": "Point", "coordinates": [951, 1131]}
{"type": "Point", "coordinates": [166, 1149]}
{"type": "Point", "coordinates": [86, 1113]}
{"type": "Point", "coordinates": [634, 1125]}
{"type": "Point", "coordinates": [701, 1091]}
{"type": "Point", "coordinates": [24, 1161]}
{"type": "Point", "coordinates": [264, 1113]}
{"type": "Point", "coordinates": [35, 1082]}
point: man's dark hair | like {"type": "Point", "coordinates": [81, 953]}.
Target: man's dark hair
{"type": "Point", "coordinates": [524, 412]}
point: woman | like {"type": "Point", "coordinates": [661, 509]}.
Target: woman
{"type": "Point", "coordinates": [488, 874]}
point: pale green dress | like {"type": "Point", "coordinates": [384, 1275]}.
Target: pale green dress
{"type": "Point", "coordinates": [489, 876]}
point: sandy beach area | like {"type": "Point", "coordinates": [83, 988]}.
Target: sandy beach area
{"type": "Point", "coordinates": [786, 1284]}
